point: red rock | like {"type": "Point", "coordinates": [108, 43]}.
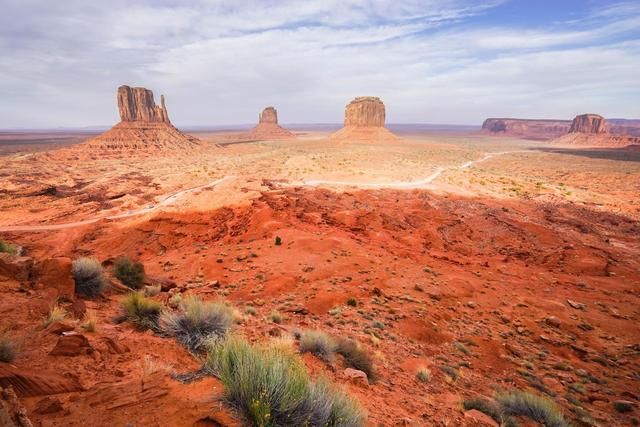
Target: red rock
{"type": "Point", "coordinates": [589, 123]}
{"type": "Point", "coordinates": [480, 418]}
{"type": "Point", "coordinates": [78, 308]}
{"type": "Point", "coordinates": [165, 284]}
{"type": "Point", "coordinates": [137, 105]}
{"type": "Point", "coordinates": [55, 273]}
{"type": "Point", "coordinates": [32, 382]}
{"type": "Point", "coordinates": [12, 412]}
{"type": "Point", "coordinates": [72, 345]}
{"type": "Point", "coordinates": [57, 328]}
{"type": "Point", "coordinates": [114, 347]}
{"type": "Point", "coordinates": [268, 127]}
{"type": "Point", "coordinates": [15, 267]}
{"type": "Point", "coordinates": [357, 377]}
{"type": "Point", "coordinates": [525, 128]}
{"type": "Point", "coordinates": [364, 119]}
{"type": "Point", "coordinates": [48, 405]}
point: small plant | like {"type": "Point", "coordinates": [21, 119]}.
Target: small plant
{"type": "Point", "coordinates": [352, 302]}
{"type": "Point", "coordinates": [450, 371]}
{"type": "Point", "coordinates": [198, 323]}
{"type": "Point", "coordinates": [278, 241]}
{"type": "Point", "coordinates": [532, 406]}
{"type": "Point", "coordinates": [423, 375]}
{"type": "Point", "coordinates": [87, 274]}
{"type": "Point", "coordinates": [8, 349]}
{"type": "Point", "coordinates": [90, 322]}
{"type": "Point", "coordinates": [356, 357]}
{"type": "Point", "coordinates": [56, 314]}
{"type": "Point", "coordinates": [461, 348]}
{"type": "Point", "coordinates": [175, 301]}
{"type": "Point", "coordinates": [130, 273]}
{"type": "Point", "coordinates": [270, 385]}
{"type": "Point", "coordinates": [318, 343]}
{"type": "Point", "coordinates": [275, 317]}
{"type": "Point", "coordinates": [250, 310]}
{"type": "Point", "coordinates": [152, 291]}
{"type": "Point", "coordinates": [8, 248]}
{"type": "Point", "coordinates": [490, 408]}
{"type": "Point", "coordinates": [141, 311]}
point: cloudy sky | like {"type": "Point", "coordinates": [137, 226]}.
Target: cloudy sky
{"type": "Point", "coordinates": [220, 61]}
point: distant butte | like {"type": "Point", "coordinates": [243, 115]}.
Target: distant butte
{"type": "Point", "coordinates": [143, 126]}
{"type": "Point", "coordinates": [592, 130]}
{"type": "Point", "coordinates": [589, 123]}
{"type": "Point", "coordinates": [364, 120]}
{"type": "Point", "coordinates": [268, 127]}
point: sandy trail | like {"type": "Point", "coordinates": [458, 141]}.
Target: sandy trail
{"type": "Point", "coordinates": [166, 201]}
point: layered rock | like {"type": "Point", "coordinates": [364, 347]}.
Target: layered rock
{"type": "Point", "coordinates": [589, 123]}
{"type": "Point", "coordinates": [268, 127]}
{"type": "Point", "coordinates": [526, 128]}
{"type": "Point", "coordinates": [364, 119]}
{"type": "Point", "coordinates": [143, 126]}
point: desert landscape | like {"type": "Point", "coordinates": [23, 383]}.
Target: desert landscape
{"type": "Point", "coordinates": [365, 273]}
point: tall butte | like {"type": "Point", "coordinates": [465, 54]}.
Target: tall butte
{"type": "Point", "coordinates": [143, 125]}
{"type": "Point", "coordinates": [364, 119]}
{"type": "Point", "coordinates": [592, 130]}
{"type": "Point", "coordinates": [268, 127]}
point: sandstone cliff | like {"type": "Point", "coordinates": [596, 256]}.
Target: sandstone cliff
{"type": "Point", "coordinates": [589, 123]}
{"type": "Point", "coordinates": [137, 105]}
{"type": "Point", "coordinates": [364, 119]}
{"type": "Point", "coordinates": [526, 128]}
{"type": "Point", "coordinates": [267, 128]}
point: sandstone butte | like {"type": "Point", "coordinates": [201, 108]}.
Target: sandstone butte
{"type": "Point", "coordinates": [592, 130]}
{"type": "Point", "coordinates": [143, 126]}
{"type": "Point", "coordinates": [364, 119]}
{"type": "Point", "coordinates": [268, 127]}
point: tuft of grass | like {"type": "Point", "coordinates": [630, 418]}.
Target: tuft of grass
{"type": "Point", "coordinates": [461, 348]}
{"type": "Point", "coordinates": [423, 375]}
{"type": "Point", "coordinates": [352, 302]}
{"type": "Point", "coordinates": [141, 311]}
{"type": "Point", "coordinates": [490, 408]}
{"type": "Point", "coordinates": [197, 323]}
{"type": "Point", "coordinates": [175, 301]}
{"type": "Point", "coordinates": [537, 408]}
{"type": "Point", "coordinates": [129, 272]}
{"type": "Point", "coordinates": [56, 314]}
{"type": "Point", "coordinates": [450, 371]}
{"type": "Point", "coordinates": [153, 290]}
{"type": "Point", "coordinates": [8, 349]}
{"type": "Point", "coordinates": [318, 343]}
{"type": "Point", "coordinates": [250, 310]}
{"type": "Point", "coordinates": [278, 241]}
{"type": "Point", "coordinates": [87, 274]}
{"type": "Point", "coordinates": [90, 322]}
{"type": "Point", "coordinates": [357, 357]}
{"type": "Point", "coordinates": [270, 385]}
{"type": "Point", "coordinates": [8, 248]}
{"type": "Point", "coordinates": [275, 317]}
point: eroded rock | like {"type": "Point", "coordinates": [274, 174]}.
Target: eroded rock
{"type": "Point", "coordinates": [589, 123]}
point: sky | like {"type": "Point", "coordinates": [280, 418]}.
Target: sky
{"type": "Point", "coordinates": [219, 62]}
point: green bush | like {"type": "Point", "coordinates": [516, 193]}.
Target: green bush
{"type": "Point", "coordinates": [141, 311]}
{"type": "Point", "coordinates": [8, 248]}
{"type": "Point", "coordinates": [537, 408]}
{"type": "Point", "coordinates": [8, 349]}
{"type": "Point", "coordinates": [129, 272]}
{"type": "Point", "coordinates": [270, 385]}
{"type": "Point", "coordinates": [198, 322]}
{"type": "Point", "coordinates": [87, 274]}
{"type": "Point", "coordinates": [318, 343]}
{"type": "Point", "coordinates": [356, 357]}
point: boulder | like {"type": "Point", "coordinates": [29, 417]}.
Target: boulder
{"type": "Point", "coordinates": [589, 123]}
{"type": "Point", "coordinates": [15, 267]}
{"type": "Point", "coordinates": [55, 273]}
{"type": "Point", "coordinates": [355, 376]}
{"type": "Point", "coordinates": [48, 405]}
{"type": "Point", "coordinates": [480, 419]}
{"type": "Point", "coordinates": [165, 284]}
{"type": "Point", "coordinates": [72, 345]}
{"type": "Point", "coordinates": [12, 412]}
{"type": "Point", "coordinates": [33, 382]}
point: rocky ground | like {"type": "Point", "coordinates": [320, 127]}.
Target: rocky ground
{"type": "Point", "coordinates": [485, 287]}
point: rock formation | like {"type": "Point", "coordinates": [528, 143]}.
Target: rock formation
{"type": "Point", "coordinates": [364, 119]}
{"type": "Point", "coordinates": [589, 123]}
{"type": "Point", "coordinates": [143, 126]}
{"type": "Point", "coordinates": [268, 127]}
{"type": "Point", "coordinates": [526, 128]}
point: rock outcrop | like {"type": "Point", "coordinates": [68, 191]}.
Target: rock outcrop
{"type": "Point", "coordinates": [589, 123]}
{"type": "Point", "coordinates": [525, 128]}
{"type": "Point", "coordinates": [364, 119]}
{"type": "Point", "coordinates": [143, 126]}
{"type": "Point", "coordinates": [268, 128]}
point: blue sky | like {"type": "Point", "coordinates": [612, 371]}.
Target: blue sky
{"type": "Point", "coordinates": [221, 61]}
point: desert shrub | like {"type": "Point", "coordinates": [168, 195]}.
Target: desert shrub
{"type": "Point", "coordinates": [270, 385]}
{"type": "Point", "coordinates": [8, 349]}
{"type": "Point", "coordinates": [450, 371]}
{"type": "Point", "coordinates": [423, 375]}
{"type": "Point", "coordinates": [490, 408]}
{"type": "Point", "coordinates": [153, 290]}
{"type": "Point", "coordinates": [532, 406]}
{"type": "Point", "coordinates": [198, 322]}
{"type": "Point", "coordinates": [130, 273]}
{"type": "Point", "coordinates": [141, 311]}
{"type": "Point", "coordinates": [356, 357]}
{"type": "Point", "coordinates": [275, 317]}
{"type": "Point", "coordinates": [87, 274]}
{"type": "Point", "coordinates": [56, 314]}
{"type": "Point", "coordinates": [352, 302]}
{"type": "Point", "coordinates": [278, 241]}
{"type": "Point", "coordinates": [90, 322]}
{"type": "Point", "coordinates": [318, 343]}
{"type": "Point", "coordinates": [8, 248]}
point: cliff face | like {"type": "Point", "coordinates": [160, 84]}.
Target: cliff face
{"type": "Point", "coordinates": [268, 115]}
{"type": "Point", "coordinates": [268, 128]}
{"type": "Point", "coordinates": [525, 128]}
{"type": "Point", "coordinates": [137, 105]}
{"type": "Point", "coordinates": [589, 123]}
{"type": "Point", "coordinates": [365, 111]}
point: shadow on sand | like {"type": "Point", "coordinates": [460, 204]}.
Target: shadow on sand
{"type": "Point", "coordinates": [627, 154]}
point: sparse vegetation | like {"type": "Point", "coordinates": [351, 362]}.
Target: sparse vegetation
{"type": "Point", "coordinates": [56, 314]}
{"type": "Point", "coordinates": [278, 241]}
{"type": "Point", "coordinates": [352, 302]}
{"type": "Point", "coordinates": [532, 406]}
{"type": "Point", "coordinates": [152, 291]}
{"type": "Point", "coordinates": [450, 371]}
{"type": "Point", "coordinates": [356, 357]}
{"type": "Point", "coordinates": [8, 349]}
{"type": "Point", "coordinates": [423, 375]}
{"type": "Point", "coordinates": [90, 322]}
{"type": "Point", "coordinates": [198, 322]}
{"type": "Point", "coordinates": [87, 274]}
{"type": "Point", "coordinates": [318, 343]}
{"type": "Point", "coordinates": [270, 385]}
{"type": "Point", "coordinates": [490, 408]}
{"type": "Point", "coordinates": [141, 311]}
{"type": "Point", "coordinates": [275, 317]}
{"type": "Point", "coordinates": [8, 248]}
{"type": "Point", "coordinates": [250, 310]}
{"type": "Point", "coordinates": [129, 272]}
